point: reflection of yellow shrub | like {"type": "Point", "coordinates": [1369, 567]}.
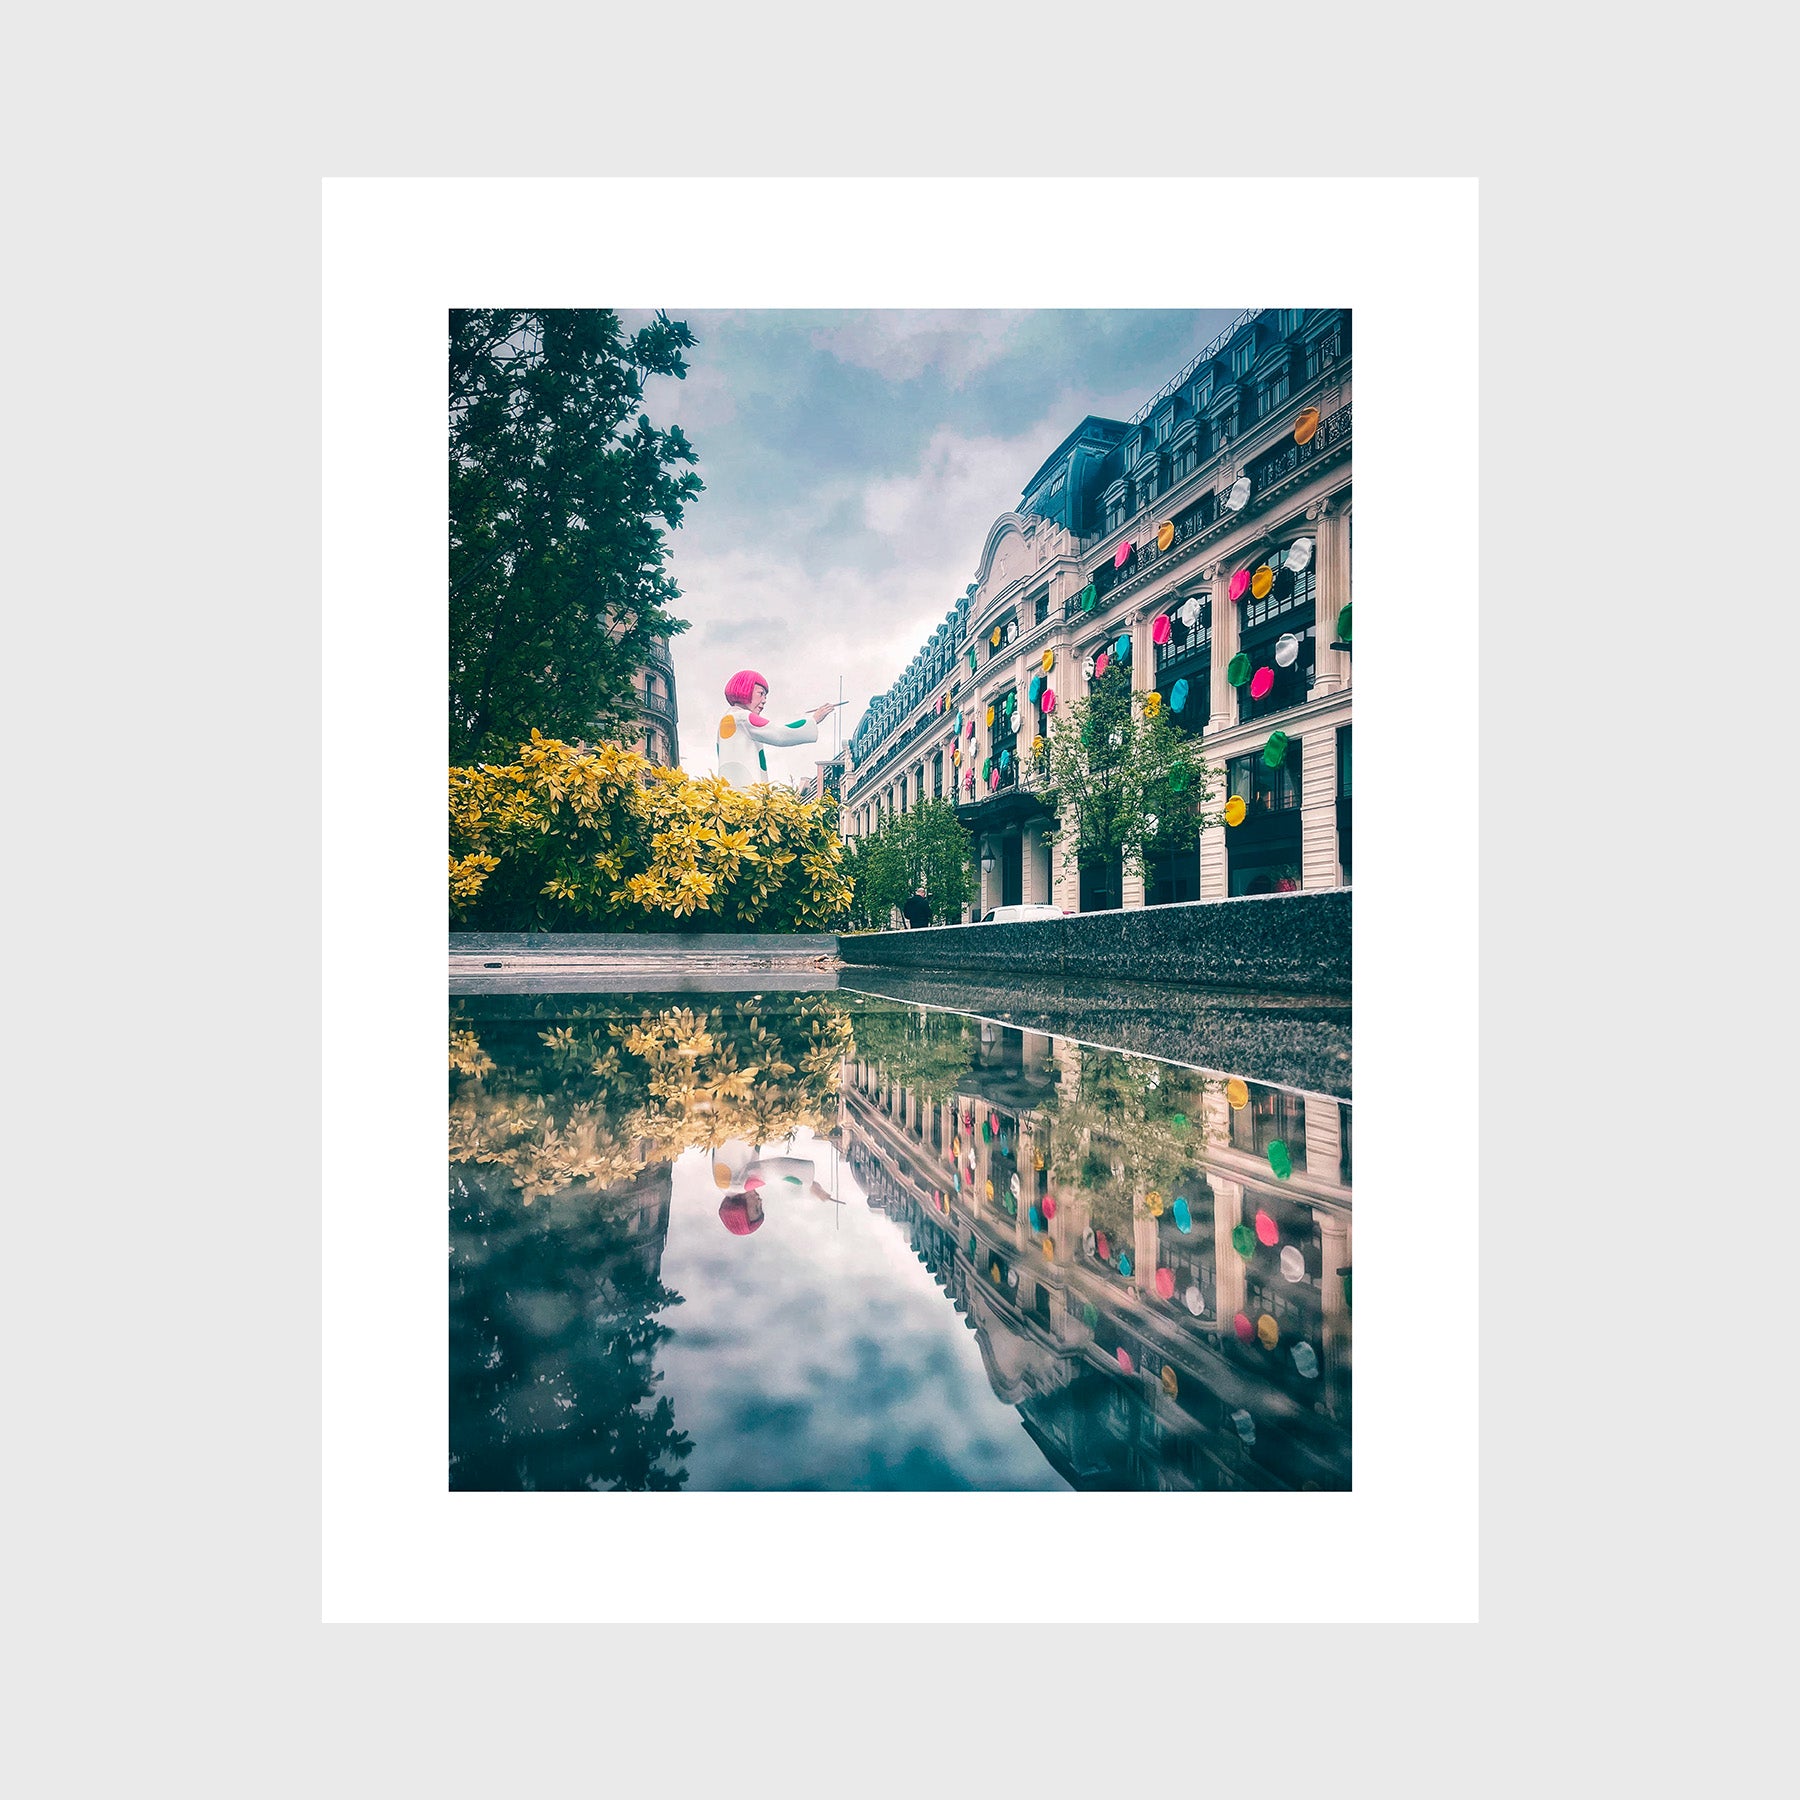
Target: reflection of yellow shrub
{"type": "Point", "coordinates": [604, 1098]}
{"type": "Point", "coordinates": [605, 838]}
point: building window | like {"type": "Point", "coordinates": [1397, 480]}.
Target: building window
{"type": "Point", "coordinates": [1041, 611]}
{"type": "Point", "coordinates": [1115, 514]}
{"type": "Point", "coordinates": [1165, 425]}
{"type": "Point", "coordinates": [937, 776]}
{"type": "Point", "coordinates": [1281, 600]}
{"type": "Point", "coordinates": [1243, 356]}
{"type": "Point", "coordinates": [1173, 878]}
{"type": "Point", "coordinates": [1102, 887]}
{"type": "Point", "coordinates": [1271, 395]}
{"type": "Point", "coordinates": [1343, 762]}
{"type": "Point", "coordinates": [1262, 789]}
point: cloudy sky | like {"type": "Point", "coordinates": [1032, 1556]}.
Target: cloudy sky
{"type": "Point", "coordinates": [853, 463]}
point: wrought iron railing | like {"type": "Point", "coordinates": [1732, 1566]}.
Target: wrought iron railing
{"type": "Point", "coordinates": [1206, 355]}
{"type": "Point", "coordinates": [1269, 469]}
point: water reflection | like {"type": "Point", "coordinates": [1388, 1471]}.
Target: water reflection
{"type": "Point", "coordinates": [1151, 1263]}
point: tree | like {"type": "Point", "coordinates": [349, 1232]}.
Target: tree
{"type": "Point", "coordinates": [557, 484]}
{"type": "Point", "coordinates": [929, 847]}
{"type": "Point", "coordinates": [1126, 782]}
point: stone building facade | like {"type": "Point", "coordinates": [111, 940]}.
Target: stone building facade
{"type": "Point", "coordinates": [1241, 461]}
{"type": "Point", "coordinates": [658, 716]}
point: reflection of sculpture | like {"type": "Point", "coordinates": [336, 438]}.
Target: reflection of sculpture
{"type": "Point", "coordinates": [743, 730]}
{"type": "Point", "coordinates": [737, 1168]}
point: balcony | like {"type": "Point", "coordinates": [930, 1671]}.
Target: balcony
{"type": "Point", "coordinates": [1267, 470]}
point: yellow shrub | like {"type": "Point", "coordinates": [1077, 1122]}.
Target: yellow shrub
{"type": "Point", "coordinates": [572, 839]}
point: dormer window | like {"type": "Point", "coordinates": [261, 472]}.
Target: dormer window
{"type": "Point", "coordinates": [1271, 394]}
{"type": "Point", "coordinates": [1243, 356]}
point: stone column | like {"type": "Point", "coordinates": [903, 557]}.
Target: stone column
{"type": "Point", "coordinates": [1143, 1243]}
{"type": "Point", "coordinates": [1331, 554]}
{"type": "Point", "coordinates": [1334, 1328]}
{"type": "Point", "coordinates": [1324, 1140]}
{"type": "Point", "coordinates": [1131, 886]}
{"type": "Point", "coordinates": [1065, 877]}
{"type": "Point", "coordinates": [1225, 643]}
{"type": "Point", "coordinates": [1215, 868]}
{"type": "Point", "coordinates": [1228, 1210]}
{"type": "Point", "coordinates": [1034, 890]}
{"type": "Point", "coordinates": [1318, 808]}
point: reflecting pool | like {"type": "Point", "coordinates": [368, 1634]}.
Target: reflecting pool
{"type": "Point", "coordinates": [833, 1240]}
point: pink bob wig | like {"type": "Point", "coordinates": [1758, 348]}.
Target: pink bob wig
{"type": "Point", "coordinates": [742, 686]}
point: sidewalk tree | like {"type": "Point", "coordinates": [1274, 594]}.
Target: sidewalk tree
{"type": "Point", "coordinates": [561, 497]}
{"type": "Point", "coordinates": [927, 846]}
{"type": "Point", "coordinates": [1126, 782]}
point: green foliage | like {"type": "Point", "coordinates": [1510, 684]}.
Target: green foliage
{"type": "Point", "coordinates": [927, 1053]}
{"type": "Point", "coordinates": [928, 845]}
{"type": "Point", "coordinates": [1126, 781]}
{"type": "Point", "coordinates": [1124, 1126]}
{"type": "Point", "coordinates": [557, 484]}
{"type": "Point", "coordinates": [562, 839]}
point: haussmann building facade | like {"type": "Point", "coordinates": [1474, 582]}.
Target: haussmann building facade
{"type": "Point", "coordinates": [1205, 543]}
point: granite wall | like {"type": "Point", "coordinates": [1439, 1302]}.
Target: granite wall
{"type": "Point", "coordinates": [1265, 943]}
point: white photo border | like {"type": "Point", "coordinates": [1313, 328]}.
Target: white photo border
{"type": "Point", "coordinates": [398, 253]}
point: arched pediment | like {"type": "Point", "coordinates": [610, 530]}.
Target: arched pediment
{"type": "Point", "coordinates": [1007, 555]}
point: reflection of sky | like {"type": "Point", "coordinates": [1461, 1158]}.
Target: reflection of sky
{"type": "Point", "coordinates": [819, 1353]}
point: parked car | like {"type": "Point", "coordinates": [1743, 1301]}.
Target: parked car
{"type": "Point", "coordinates": [1001, 915]}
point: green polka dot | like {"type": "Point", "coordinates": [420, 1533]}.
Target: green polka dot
{"type": "Point", "coordinates": [1279, 1160]}
{"type": "Point", "coordinates": [1343, 623]}
{"type": "Point", "coordinates": [1090, 1313]}
{"type": "Point", "coordinates": [795, 724]}
{"type": "Point", "coordinates": [1237, 671]}
{"type": "Point", "coordinates": [1243, 1241]}
{"type": "Point", "coordinates": [762, 762]}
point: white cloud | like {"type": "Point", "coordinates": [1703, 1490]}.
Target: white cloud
{"type": "Point", "coordinates": [900, 346]}
{"type": "Point", "coordinates": [957, 490]}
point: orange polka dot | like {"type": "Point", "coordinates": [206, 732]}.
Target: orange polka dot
{"type": "Point", "coordinates": [728, 726]}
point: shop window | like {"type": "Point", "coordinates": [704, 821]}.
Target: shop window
{"type": "Point", "coordinates": [1290, 687]}
{"type": "Point", "coordinates": [1343, 762]}
{"type": "Point", "coordinates": [1173, 879]}
{"type": "Point", "coordinates": [1272, 1113]}
{"type": "Point", "coordinates": [1101, 887]}
{"type": "Point", "coordinates": [1266, 790]}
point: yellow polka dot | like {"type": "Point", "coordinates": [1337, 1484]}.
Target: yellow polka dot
{"type": "Point", "coordinates": [1236, 1093]}
{"type": "Point", "coordinates": [728, 726]}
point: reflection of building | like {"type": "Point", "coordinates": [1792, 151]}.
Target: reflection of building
{"type": "Point", "coordinates": [1125, 524]}
{"type": "Point", "coordinates": [657, 717]}
{"type": "Point", "coordinates": [1115, 1332]}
